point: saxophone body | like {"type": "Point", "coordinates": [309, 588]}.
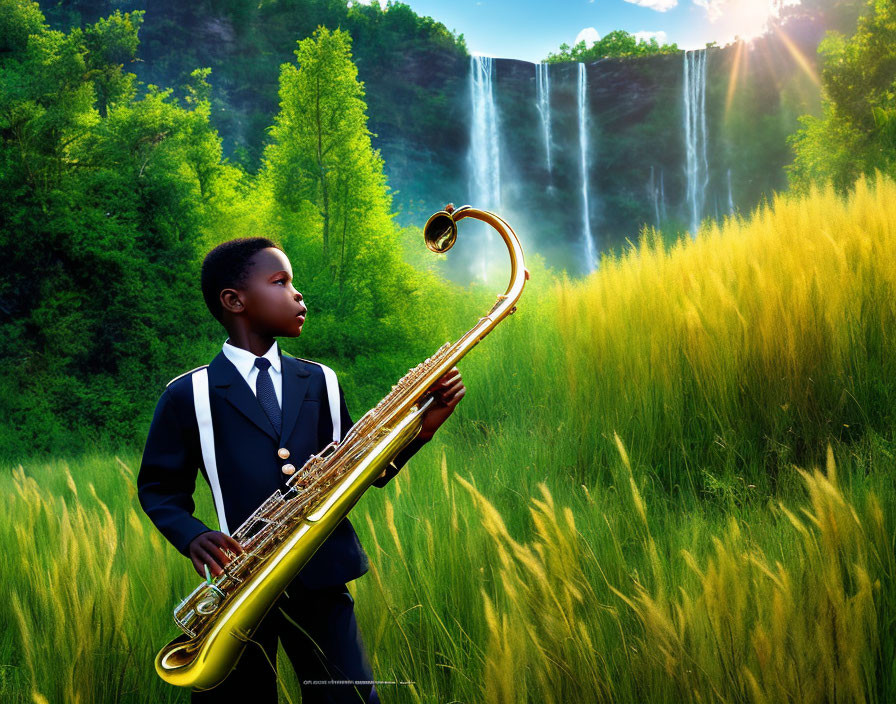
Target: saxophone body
{"type": "Point", "coordinates": [219, 617]}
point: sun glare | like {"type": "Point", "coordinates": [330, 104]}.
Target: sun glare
{"type": "Point", "coordinates": [743, 51]}
{"type": "Point", "coordinates": [746, 19]}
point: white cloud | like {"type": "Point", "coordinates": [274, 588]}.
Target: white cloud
{"type": "Point", "coordinates": [661, 37]}
{"type": "Point", "coordinates": [658, 5]}
{"type": "Point", "coordinates": [589, 34]}
{"type": "Point", "coordinates": [714, 8]}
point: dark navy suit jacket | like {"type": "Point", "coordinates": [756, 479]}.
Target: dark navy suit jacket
{"type": "Point", "coordinates": [249, 468]}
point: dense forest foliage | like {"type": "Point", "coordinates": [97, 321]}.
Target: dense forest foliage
{"type": "Point", "coordinates": [244, 43]}
{"type": "Point", "coordinates": [113, 192]}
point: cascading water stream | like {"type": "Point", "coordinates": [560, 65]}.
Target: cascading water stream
{"type": "Point", "coordinates": [663, 213]}
{"type": "Point", "coordinates": [485, 150]}
{"type": "Point", "coordinates": [589, 248]}
{"type": "Point", "coordinates": [543, 103]}
{"type": "Point", "coordinates": [730, 195]}
{"type": "Point", "coordinates": [657, 191]}
{"type": "Point", "coordinates": [695, 135]}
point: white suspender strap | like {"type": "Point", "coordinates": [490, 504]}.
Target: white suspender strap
{"type": "Point", "coordinates": [332, 397]}
{"type": "Point", "coordinates": [202, 403]}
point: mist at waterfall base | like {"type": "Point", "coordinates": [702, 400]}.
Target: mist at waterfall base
{"type": "Point", "coordinates": [579, 157]}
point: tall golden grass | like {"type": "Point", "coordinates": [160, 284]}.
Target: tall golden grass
{"type": "Point", "coordinates": [739, 352]}
{"type": "Point", "coordinates": [596, 523]}
{"type": "Point", "coordinates": [82, 567]}
{"type": "Point", "coordinates": [605, 603]}
{"type": "Point", "coordinates": [795, 621]}
{"type": "Point", "coordinates": [604, 600]}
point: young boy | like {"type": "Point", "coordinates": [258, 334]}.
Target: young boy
{"type": "Point", "coordinates": [269, 413]}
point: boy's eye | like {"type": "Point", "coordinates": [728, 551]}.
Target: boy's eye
{"type": "Point", "coordinates": [280, 281]}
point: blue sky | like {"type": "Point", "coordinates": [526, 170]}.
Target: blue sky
{"type": "Point", "coordinates": [531, 29]}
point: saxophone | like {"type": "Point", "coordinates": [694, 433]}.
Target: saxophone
{"type": "Point", "coordinates": [220, 616]}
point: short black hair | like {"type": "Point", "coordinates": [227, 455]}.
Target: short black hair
{"type": "Point", "coordinates": [227, 266]}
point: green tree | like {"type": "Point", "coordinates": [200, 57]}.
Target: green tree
{"type": "Point", "coordinates": [319, 134]}
{"type": "Point", "coordinates": [105, 197]}
{"type": "Point", "coordinates": [330, 201]}
{"type": "Point", "coordinates": [111, 43]}
{"type": "Point", "coordinates": [856, 133]}
{"type": "Point", "coordinates": [618, 43]}
{"type": "Point", "coordinates": [18, 20]}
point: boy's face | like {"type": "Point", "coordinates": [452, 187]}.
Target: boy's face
{"type": "Point", "coordinates": [271, 305]}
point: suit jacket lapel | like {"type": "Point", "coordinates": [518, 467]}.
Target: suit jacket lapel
{"type": "Point", "coordinates": [226, 377]}
{"type": "Point", "coordinates": [223, 375]}
{"type": "Point", "coordinates": [296, 378]}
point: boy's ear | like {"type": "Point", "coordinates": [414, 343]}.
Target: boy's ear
{"type": "Point", "coordinates": [231, 301]}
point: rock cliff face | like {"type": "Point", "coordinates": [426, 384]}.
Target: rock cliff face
{"type": "Point", "coordinates": [635, 118]}
{"type": "Point", "coordinates": [418, 111]}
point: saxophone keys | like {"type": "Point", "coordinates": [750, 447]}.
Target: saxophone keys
{"type": "Point", "coordinates": [207, 606]}
{"type": "Point", "coordinates": [210, 601]}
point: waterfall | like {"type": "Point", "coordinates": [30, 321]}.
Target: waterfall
{"type": "Point", "coordinates": [663, 214]}
{"type": "Point", "coordinates": [730, 195]}
{"type": "Point", "coordinates": [543, 103]}
{"type": "Point", "coordinates": [485, 152]}
{"type": "Point", "coordinates": [695, 136]}
{"type": "Point", "coordinates": [657, 192]}
{"type": "Point", "coordinates": [590, 258]}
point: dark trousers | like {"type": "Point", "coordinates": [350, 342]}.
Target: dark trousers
{"type": "Point", "coordinates": [330, 648]}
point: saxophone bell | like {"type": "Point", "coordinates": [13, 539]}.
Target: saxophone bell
{"type": "Point", "coordinates": [440, 232]}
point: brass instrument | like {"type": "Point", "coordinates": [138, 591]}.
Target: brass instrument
{"type": "Point", "coordinates": [279, 538]}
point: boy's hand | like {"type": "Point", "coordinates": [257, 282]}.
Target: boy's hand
{"type": "Point", "coordinates": [448, 391]}
{"type": "Point", "coordinates": [207, 549]}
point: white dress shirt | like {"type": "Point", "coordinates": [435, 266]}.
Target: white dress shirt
{"type": "Point", "coordinates": [244, 361]}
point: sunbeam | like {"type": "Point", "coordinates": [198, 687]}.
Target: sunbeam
{"type": "Point", "coordinates": [797, 55]}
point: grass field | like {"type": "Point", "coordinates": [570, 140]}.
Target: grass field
{"type": "Point", "coordinates": [672, 481]}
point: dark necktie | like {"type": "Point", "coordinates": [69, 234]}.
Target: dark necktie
{"type": "Point", "coordinates": [264, 389]}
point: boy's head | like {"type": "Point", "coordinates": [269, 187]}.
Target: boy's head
{"type": "Point", "coordinates": [247, 283]}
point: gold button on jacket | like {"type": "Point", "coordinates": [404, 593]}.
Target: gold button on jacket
{"type": "Point", "coordinates": [288, 469]}
{"type": "Point", "coordinates": [283, 453]}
